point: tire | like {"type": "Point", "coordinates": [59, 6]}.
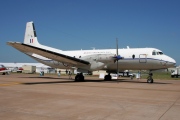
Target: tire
{"type": "Point", "coordinates": [107, 77]}
{"type": "Point", "coordinates": [150, 81]}
{"type": "Point", "coordinates": [79, 78]}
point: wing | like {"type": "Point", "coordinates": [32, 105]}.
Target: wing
{"type": "Point", "coordinates": [5, 71]}
{"type": "Point", "coordinates": [49, 54]}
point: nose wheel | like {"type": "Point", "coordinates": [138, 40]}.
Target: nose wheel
{"type": "Point", "coordinates": [149, 78]}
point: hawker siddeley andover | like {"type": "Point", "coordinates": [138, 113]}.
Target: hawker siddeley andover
{"type": "Point", "coordinates": [110, 60]}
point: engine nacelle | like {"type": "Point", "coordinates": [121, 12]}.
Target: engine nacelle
{"type": "Point", "coordinates": [99, 61]}
{"type": "Point", "coordinates": [92, 67]}
{"type": "Point", "coordinates": [106, 58]}
{"type": "Point", "coordinates": [103, 58]}
{"type": "Point", "coordinates": [96, 66]}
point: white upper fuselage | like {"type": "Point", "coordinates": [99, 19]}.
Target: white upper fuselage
{"type": "Point", "coordinates": [144, 58]}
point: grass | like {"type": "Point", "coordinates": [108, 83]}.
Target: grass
{"type": "Point", "coordinates": [161, 76]}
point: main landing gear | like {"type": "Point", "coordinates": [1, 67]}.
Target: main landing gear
{"type": "Point", "coordinates": [79, 77]}
{"type": "Point", "coordinates": [149, 78]}
{"type": "Point", "coordinates": [5, 73]}
{"type": "Point", "coordinates": [107, 77]}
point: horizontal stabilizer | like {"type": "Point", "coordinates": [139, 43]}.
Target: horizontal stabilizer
{"type": "Point", "coordinates": [47, 53]}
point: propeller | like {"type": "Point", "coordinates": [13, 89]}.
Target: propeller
{"type": "Point", "coordinates": [117, 57]}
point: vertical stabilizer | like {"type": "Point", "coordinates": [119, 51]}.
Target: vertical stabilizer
{"type": "Point", "coordinates": [30, 35]}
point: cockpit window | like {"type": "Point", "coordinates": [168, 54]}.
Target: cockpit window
{"type": "Point", "coordinates": [157, 53]}
{"type": "Point", "coordinates": [2, 66]}
{"type": "Point", "coordinates": [160, 53]}
{"type": "Point", "coordinates": [153, 53]}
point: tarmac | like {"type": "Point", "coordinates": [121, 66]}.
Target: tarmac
{"type": "Point", "coordinates": [31, 97]}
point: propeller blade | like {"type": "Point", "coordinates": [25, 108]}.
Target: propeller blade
{"type": "Point", "coordinates": [117, 54]}
{"type": "Point", "coordinates": [117, 47]}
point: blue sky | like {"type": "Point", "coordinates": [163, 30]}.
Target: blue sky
{"type": "Point", "coordinates": [83, 24]}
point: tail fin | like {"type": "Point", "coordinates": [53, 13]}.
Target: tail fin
{"type": "Point", "coordinates": [30, 35]}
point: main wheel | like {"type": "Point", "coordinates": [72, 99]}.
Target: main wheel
{"type": "Point", "coordinates": [107, 77]}
{"type": "Point", "coordinates": [79, 77]}
{"type": "Point", "coordinates": [150, 81]}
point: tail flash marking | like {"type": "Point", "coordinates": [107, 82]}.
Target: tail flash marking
{"type": "Point", "coordinates": [31, 40]}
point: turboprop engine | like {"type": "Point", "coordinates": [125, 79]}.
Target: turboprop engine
{"type": "Point", "coordinates": [99, 61]}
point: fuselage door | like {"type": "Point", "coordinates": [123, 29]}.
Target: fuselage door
{"type": "Point", "coordinates": [142, 58]}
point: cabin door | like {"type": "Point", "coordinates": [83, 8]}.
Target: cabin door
{"type": "Point", "coordinates": [142, 58]}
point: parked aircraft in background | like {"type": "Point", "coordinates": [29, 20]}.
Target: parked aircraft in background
{"type": "Point", "coordinates": [111, 60]}
{"type": "Point", "coordinates": [4, 70]}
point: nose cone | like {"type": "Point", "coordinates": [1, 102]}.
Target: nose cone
{"type": "Point", "coordinates": [171, 62]}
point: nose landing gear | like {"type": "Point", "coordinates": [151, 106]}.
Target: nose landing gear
{"type": "Point", "coordinates": [149, 78]}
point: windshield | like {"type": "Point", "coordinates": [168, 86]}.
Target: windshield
{"type": "Point", "coordinates": [160, 53]}
{"type": "Point", "coordinates": [1, 66]}
{"type": "Point", "coordinates": [157, 53]}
